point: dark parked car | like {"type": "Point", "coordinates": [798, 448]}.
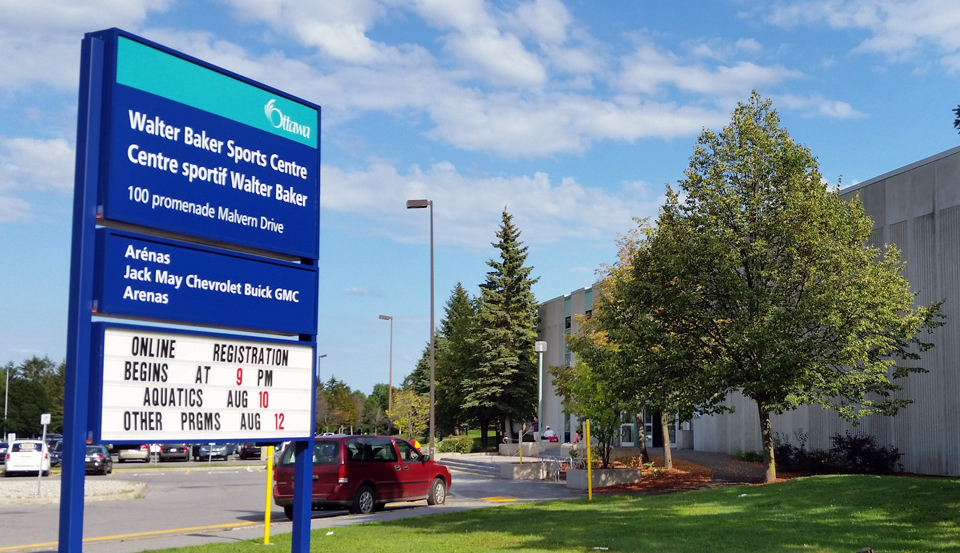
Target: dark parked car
{"type": "Point", "coordinates": [56, 453]}
{"type": "Point", "coordinates": [363, 474]}
{"type": "Point", "coordinates": [249, 451]}
{"type": "Point", "coordinates": [175, 452]}
{"type": "Point", "coordinates": [3, 448]}
{"type": "Point", "coordinates": [215, 451]}
{"type": "Point", "coordinates": [98, 459]}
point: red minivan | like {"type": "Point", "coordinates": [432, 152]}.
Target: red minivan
{"type": "Point", "coordinates": [363, 474]}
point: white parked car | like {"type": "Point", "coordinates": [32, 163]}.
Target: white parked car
{"type": "Point", "coordinates": [26, 456]}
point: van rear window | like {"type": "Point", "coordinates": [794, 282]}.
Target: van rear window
{"type": "Point", "coordinates": [25, 447]}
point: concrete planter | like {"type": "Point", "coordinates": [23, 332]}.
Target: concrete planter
{"type": "Point", "coordinates": [577, 478]}
{"type": "Point", "coordinates": [527, 471]}
{"type": "Point", "coordinates": [530, 449]}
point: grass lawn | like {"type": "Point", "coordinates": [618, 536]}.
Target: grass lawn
{"type": "Point", "coordinates": [825, 514]}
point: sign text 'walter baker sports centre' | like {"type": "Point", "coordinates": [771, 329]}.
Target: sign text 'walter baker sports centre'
{"type": "Point", "coordinates": [196, 152]}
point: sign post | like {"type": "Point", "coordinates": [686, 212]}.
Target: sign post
{"type": "Point", "coordinates": [196, 207]}
{"type": "Point", "coordinates": [44, 452]}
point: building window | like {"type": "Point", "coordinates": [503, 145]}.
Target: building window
{"type": "Point", "coordinates": [566, 322]}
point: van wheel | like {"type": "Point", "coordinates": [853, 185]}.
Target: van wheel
{"type": "Point", "coordinates": [438, 492]}
{"type": "Point", "coordinates": [288, 511]}
{"type": "Point", "coordinates": [364, 502]}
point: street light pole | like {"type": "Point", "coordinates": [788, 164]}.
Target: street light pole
{"type": "Point", "coordinates": [540, 347]}
{"type": "Point", "coordinates": [390, 382]}
{"type": "Point", "coordinates": [319, 357]}
{"type": "Point", "coordinates": [420, 204]}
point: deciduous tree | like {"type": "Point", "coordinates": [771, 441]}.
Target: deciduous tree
{"type": "Point", "coordinates": [771, 279]}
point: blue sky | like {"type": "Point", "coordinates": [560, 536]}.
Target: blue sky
{"type": "Point", "coordinates": [573, 116]}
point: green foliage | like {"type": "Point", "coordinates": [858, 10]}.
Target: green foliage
{"type": "Point", "coordinates": [850, 454]}
{"type": "Point", "coordinates": [456, 444]}
{"type": "Point", "coordinates": [410, 413]}
{"type": "Point", "coordinates": [749, 456]}
{"type": "Point", "coordinates": [504, 382]}
{"type": "Point", "coordinates": [36, 387]}
{"type": "Point", "coordinates": [586, 392]}
{"type": "Point", "coordinates": [758, 278]}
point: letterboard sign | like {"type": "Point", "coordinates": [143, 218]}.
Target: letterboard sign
{"type": "Point", "coordinates": [171, 386]}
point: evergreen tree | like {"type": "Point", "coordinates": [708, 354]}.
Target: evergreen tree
{"type": "Point", "coordinates": [456, 359]}
{"type": "Point", "coordinates": [504, 384]}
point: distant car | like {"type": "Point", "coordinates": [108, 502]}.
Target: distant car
{"type": "Point", "coordinates": [56, 453]}
{"type": "Point", "coordinates": [175, 452]}
{"type": "Point", "coordinates": [249, 451]}
{"type": "Point", "coordinates": [98, 459]}
{"type": "Point", "coordinates": [214, 451]}
{"type": "Point", "coordinates": [26, 456]}
{"type": "Point", "coordinates": [133, 453]}
{"type": "Point", "coordinates": [363, 474]}
{"type": "Point", "coordinates": [3, 448]}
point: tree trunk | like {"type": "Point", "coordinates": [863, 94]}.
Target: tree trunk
{"type": "Point", "coordinates": [766, 436]}
{"type": "Point", "coordinates": [642, 438]}
{"type": "Point", "coordinates": [484, 423]}
{"type": "Point", "coordinates": [667, 454]}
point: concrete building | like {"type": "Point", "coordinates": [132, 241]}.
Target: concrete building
{"type": "Point", "coordinates": [557, 319]}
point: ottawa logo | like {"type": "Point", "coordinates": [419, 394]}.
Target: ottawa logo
{"type": "Point", "coordinates": [280, 121]}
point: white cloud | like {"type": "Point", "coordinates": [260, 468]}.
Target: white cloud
{"type": "Point", "coordinates": [901, 30]}
{"type": "Point", "coordinates": [810, 106]}
{"type": "Point", "coordinates": [40, 40]}
{"type": "Point", "coordinates": [498, 57]}
{"type": "Point", "coordinates": [362, 291]}
{"type": "Point", "coordinates": [648, 69]}
{"type": "Point", "coordinates": [547, 20]}
{"type": "Point", "coordinates": [36, 164]}
{"type": "Point", "coordinates": [467, 208]}
{"type": "Point", "coordinates": [15, 210]}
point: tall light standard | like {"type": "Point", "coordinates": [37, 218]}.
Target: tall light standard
{"type": "Point", "coordinates": [420, 204]}
{"type": "Point", "coordinates": [319, 357]}
{"type": "Point", "coordinates": [540, 347]}
{"type": "Point", "coordinates": [390, 382]}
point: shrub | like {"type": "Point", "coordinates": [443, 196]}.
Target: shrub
{"type": "Point", "coordinates": [456, 444]}
{"type": "Point", "coordinates": [850, 454]}
{"type": "Point", "coordinates": [749, 456]}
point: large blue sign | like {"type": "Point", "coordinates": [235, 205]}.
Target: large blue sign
{"type": "Point", "coordinates": [196, 152]}
{"type": "Point", "coordinates": [158, 279]}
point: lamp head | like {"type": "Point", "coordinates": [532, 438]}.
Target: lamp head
{"type": "Point", "coordinates": [418, 204]}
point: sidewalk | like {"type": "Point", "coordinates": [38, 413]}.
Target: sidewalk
{"type": "Point", "coordinates": [725, 468]}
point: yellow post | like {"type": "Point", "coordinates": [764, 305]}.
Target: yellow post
{"type": "Point", "coordinates": [268, 508]}
{"type": "Point", "coordinates": [586, 427]}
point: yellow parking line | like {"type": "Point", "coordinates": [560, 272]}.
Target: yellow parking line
{"type": "Point", "coordinates": [496, 499]}
{"type": "Point", "coordinates": [136, 535]}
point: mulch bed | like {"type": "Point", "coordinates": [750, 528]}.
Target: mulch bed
{"type": "Point", "coordinates": [683, 476]}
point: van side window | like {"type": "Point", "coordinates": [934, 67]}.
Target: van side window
{"type": "Point", "coordinates": [383, 451]}
{"type": "Point", "coordinates": [408, 452]}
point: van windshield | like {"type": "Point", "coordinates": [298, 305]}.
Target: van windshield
{"type": "Point", "coordinates": [325, 452]}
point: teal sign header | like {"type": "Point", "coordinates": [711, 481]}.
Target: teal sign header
{"type": "Point", "coordinates": [151, 70]}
